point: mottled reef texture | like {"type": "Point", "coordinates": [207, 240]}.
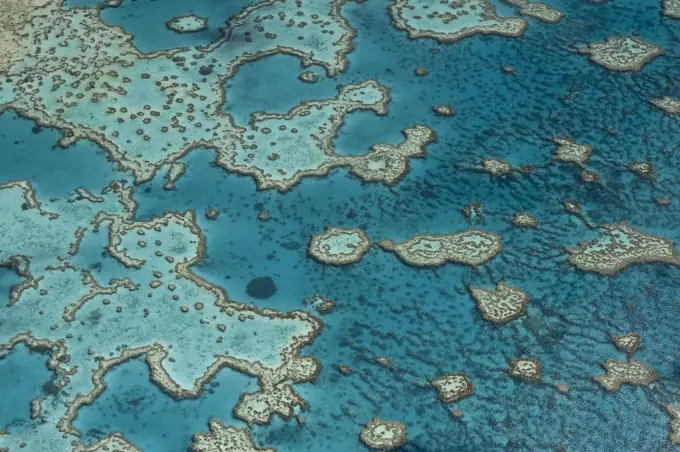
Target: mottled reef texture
{"type": "Point", "coordinates": [65, 68]}
{"type": "Point", "coordinates": [622, 245]}
{"type": "Point", "coordinates": [145, 315]}
{"type": "Point", "coordinates": [159, 106]}
{"type": "Point", "coordinates": [450, 22]}
{"type": "Point", "coordinates": [622, 53]}
{"type": "Point", "coordinates": [384, 435]}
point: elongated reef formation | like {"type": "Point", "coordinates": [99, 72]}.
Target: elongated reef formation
{"type": "Point", "coordinates": [470, 247]}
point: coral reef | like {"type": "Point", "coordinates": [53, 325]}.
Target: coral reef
{"type": "Point", "coordinates": [524, 220]}
{"type": "Point", "coordinates": [668, 104]}
{"type": "Point", "coordinates": [339, 246]}
{"type": "Point", "coordinates": [628, 343]}
{"type": "Point", "coordinates": [452, 387]}
{"type": "Point", "coordinates": [450, 22]}
{"type": "Point", "coordinates": [537, 10]}
{"type": "Point", "coordinates": [622, 53]}
{"type": "Point", "coordinates": [527, 369]}
{"type": "Point", "coordinates": [632, 372]}
{"type": "Point", "coordinates": [187, 24]}
{"type": "Point", "coordinates": [224, 438]}
{"type": "Point", "coordinates": [135, 323]}
{"type": "Point", "coordinates": [385, 435]}
{"type": "Point", "coordinates": [501, 305]}
{"type": "Point", "coordinates": [571, 152]}
{"type": "Point", "coordinates": [470, 247]}
{"type": "Point", "coordinates": [620, 246]}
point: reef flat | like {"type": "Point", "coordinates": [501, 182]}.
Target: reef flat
{"type": "Point", "coordinates": [537, 10]}
{"type": "Point", "coordinates": [671, 8]}
{"type": "Point", "coordinates": [622, 245]}
{"type": "Point", "coordinates": [668, 104]}
{"type": "Point", "coordinates": [112, 442]}
{"type": "Point", "coordinates": [571, 152]}
{"type": "Point", "coordinates": [502, 304]}
{"type": "Point", "coordinates": [450, 22]}
{"type": "Point", "coordinates": [144, 315]}
{"type": "Point", "coordinates": [496, 167]}
{"type": "Point", "coordinates": [632, 372]}
{"type": "Point", "coordinates": [524, 220]}
{"type": "Point", "coordinates": [674, 427]}
{"type": "Point", "coordinates": [162, 105]}
{"type": "Point", "coordinates": [452, 387]}
{"type": "Point", "coordinates": [527, 369]}
{"type": "Point", "coordinates": [187, 24]}
{"type": "Point", "coordinates": [339, 246]}
{"type": "Point", "coordinates": [622, 53]}
{"type": "Point", "coordinates": [628, 343]}
{"type": "Point", "coordinates": [181, 207]}
{"type": "Point", "coordinates": [384, 435]}
{"type": "Point", "coordinates": [471, 247]}
{"type": "Point", "coordinates": [225, 439]}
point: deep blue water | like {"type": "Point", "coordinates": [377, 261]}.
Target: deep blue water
{"type": "Point", "coordinates": [424, 320]}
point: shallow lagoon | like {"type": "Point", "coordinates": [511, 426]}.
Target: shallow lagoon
{"type": "Point", "coordinates": [424, 319]}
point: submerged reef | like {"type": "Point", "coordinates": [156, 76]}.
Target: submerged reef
{"type": "Point", "coordinates": [671, 8]}
{"type": "Point", "coordinates": [97, 286]}
{"type": "Point", "coordinates": [573, 207]}
{"type": "Point", "coordinates": [443, 110]}
{"type": "Point", "coordinates": [668, 104]}
{"type": "Point", "coordinates": [339, 246]}
{"type": "Point", "coordinates": [421, 71]}
{"type": "Point", "coordinates": [224, 438]}
{"type": "Point", "coordinates": [524, 220]}
{"type": "Point", "coordinates": [308, 77]}
{"type": "Point", "coordinates": [145, 315]}
{"type": "Point", "coordinates": [321, 304]}
{"type": "Point", "coordinates": [589, 177]}
{"type": "Point", "coordinates": [452, 387]}
{"type": "Point", "coordinates": [473, 211]}
{"type": "Point", "coordinates": [163, 104]}
{"type": "Point", "coordinates": [496, 167]}
{"type": "Point", "coordinates": [110, 4]}
{"type": "Point", "coordinates": [642, 169]}
{"type": "Point", "coordinates": [674, 426]}
{"type": "Point", "coordinates": [385, 435]}
{"type": "Point", "coordinates": [383, 361]}
{"type": "Point", "coordinates": [628, 343]}
{"type": "Point", "coordinates": [113, 442]}
{"type": "Point", "coordinates": [571, 152]}
{"type": "Point", "coordinates": [450, 22]}
{"type": "Point", "coordinates": [388, 164]}
{"type": "Point", "coordinates": [212, 214]}
{"type": "Point", "coordinates": [470, 247]}
{"type": "Point", "coordinates": [187, 24]}
{"type": "Point", "coordinates": [632, 372]}
{"type": "Point", "coordinates": [538, 10]}
{"type": "Point", "coordinates": [501, 305]}
{"type": "Point", "coordinates": [36, 408]}
{"type": "Point", "coordinates": [622, 53]}
{"type": "Point", "coordinates": [622, 245]}
{"type": "Point", "coordinates": [527, 369]}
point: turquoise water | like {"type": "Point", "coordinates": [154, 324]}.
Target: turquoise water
{"type": "Point", "coordinates": [24, 377]}
{"type": "Point", "coordinates": [422, 319]}
{"type": "Point", "coordinates": [149, 418]}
